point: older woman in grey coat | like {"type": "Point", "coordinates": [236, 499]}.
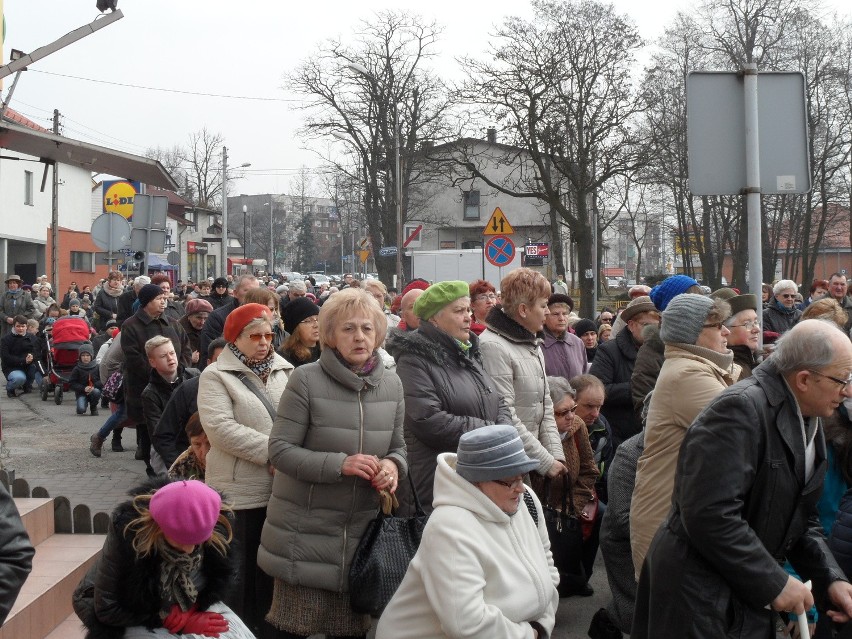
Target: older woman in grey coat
{"type": "Point", "coordinates": [336, 443]}
{"type": "Point", "coordinates": [447, 391]}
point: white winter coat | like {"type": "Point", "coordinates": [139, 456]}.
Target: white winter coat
{"type": "Point", "coordinates": [238, 425]}
{"type": "Point", "coordinates": [478, 573]}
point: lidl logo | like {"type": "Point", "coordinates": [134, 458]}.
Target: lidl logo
{"type": "Point", "coordinates": [118, 198]}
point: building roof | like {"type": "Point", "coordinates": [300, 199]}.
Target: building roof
{"type": "Point", "coordinates": [51, 148]}
{"type": "Point", "coordinates": [14, 116]}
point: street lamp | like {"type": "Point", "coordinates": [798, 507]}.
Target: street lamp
{"type": "Point", "coordinates": [225, 205]}
{"type": "Point", "coordinates": [269, 266]}
{"type": "Point", "coordinates": [362, 70]}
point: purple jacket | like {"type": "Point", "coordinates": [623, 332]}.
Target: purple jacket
{"type": "Point", "coordinates": [565, 357]}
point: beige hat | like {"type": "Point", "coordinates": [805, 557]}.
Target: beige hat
{"type": "Point", "coordinates": [641, 304]}
{"type": "Point", "coordinates": [14, 278]}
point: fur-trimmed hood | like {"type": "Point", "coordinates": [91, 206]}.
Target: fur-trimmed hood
{"type": "Point", "coordinates": [506, 327]}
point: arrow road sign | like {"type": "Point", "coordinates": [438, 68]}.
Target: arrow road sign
{"type": "Point", "coordinates": [500, 250]}
{"type": "Point", "coordinates": [498, 224]}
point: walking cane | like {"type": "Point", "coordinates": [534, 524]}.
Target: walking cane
{"type": "Point", "coordinates": [804, 631]}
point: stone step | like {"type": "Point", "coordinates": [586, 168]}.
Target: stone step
{"type": "Point", "coordinates": [70, 628]}
{"type": "Point", "coordinates": [45, 599]}
{"type": "Point", "coordinates": [37, 515]}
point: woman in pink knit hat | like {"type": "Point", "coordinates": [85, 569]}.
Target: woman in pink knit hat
{"type": "Point", "coordinates": [165, 566]}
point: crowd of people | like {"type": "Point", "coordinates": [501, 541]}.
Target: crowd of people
{"type": "Point", "coordinates": [273, 417]}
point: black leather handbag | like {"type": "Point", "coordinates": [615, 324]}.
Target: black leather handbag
{"type": "Point", "coordinates": [382, 558]}
{"type": "Point", "coordinates": [565, 530]}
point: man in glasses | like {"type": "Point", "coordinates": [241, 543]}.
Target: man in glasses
{"type": "Point", "coordinates": [781, 314]}
{"type": "Point", "coordinates": [749, 475]}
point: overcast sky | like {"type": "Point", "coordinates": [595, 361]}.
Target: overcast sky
{"type": "Point", "coordinates": [235, 48]}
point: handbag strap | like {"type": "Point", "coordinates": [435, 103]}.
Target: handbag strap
{"type": "Point", "coordinates": [528, 500]}
{"type": "Point", "coordinates": [257, 392]}
{"type": "Point", "coordinates": [417, 507]}
{"type": "Point", "coordinates": [567, 495]}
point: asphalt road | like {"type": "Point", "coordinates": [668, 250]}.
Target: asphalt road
{"type": "Point", "coordinates": [48, 445]}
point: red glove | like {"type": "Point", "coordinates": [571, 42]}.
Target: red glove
{"type": "Point", "coordinates": [209, 624]}
{"type": "Point", "coordinates": [177, 618]}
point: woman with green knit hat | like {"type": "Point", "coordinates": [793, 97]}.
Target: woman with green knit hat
{"type": "Point", "coordinates": [447, 391]}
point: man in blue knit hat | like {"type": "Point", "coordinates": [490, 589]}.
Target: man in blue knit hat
{"type": "Point", "coordinates": [663, 292]}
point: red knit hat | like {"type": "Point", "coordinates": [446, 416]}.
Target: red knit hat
{"type": "Point", "coordinates": [417, 283]}
{"type": "Point", "coordinates": [241, 316]}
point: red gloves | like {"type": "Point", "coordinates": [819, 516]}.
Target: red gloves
{"type": "Point", "coordinates": [209, 624]}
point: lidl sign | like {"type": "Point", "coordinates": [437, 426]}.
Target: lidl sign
{"type": "Point", "coordinates": [119, 196]}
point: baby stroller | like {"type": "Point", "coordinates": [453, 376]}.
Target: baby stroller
{"type": "Point", "coordinates": [63, 341]}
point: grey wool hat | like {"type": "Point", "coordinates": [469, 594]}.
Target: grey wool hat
{"type": "Point", "coordinates": [492, 452]}
{"type": "Point", "coordinates": [684, 317]}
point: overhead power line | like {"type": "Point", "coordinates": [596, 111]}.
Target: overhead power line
{"type": "Point", "coordinates": [180, 91]}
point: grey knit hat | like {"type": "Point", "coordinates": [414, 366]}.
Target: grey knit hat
{"type": "Point", "coordinates": [492, 452]}
{"type": "Point", "coordinates": [684, 317]}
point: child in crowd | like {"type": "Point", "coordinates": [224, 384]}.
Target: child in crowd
{"type": "Point", "coordinates": [165, 566]}
{"type": "Point", "coordinates": [193, 461]}
{"type": "Point", "coordinates": [85, 381]}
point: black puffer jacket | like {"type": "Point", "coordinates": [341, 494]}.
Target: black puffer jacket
{"type": "Point", "coordinates": [82, 375]}
{"type": "Point", "coordinates": [122, 590]}
{"type": "Point", "coordinates": [613, 365]}
{"type": "Point", "coordinates": [157, 394]}
{"type": "Point", "coordinates": [447, 394]}
{"type": "Point", "coordinates": [169, 438]}
{"type": "Point", "coordinates": [841, 535]}
{"type": "Point", "coordinates": [16, 553]}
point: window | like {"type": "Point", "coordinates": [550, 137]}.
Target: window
{"type": "Point", "coordinates": [471, 205]}
{"type": "Point", "coordinates": [28, 188]}
{"type": "Point", "coordinates": [82, 262]}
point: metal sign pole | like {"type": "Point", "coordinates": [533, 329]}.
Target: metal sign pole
{"type": "Point", "coordinates": [752, 190]}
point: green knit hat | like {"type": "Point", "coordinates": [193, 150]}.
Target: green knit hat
{"type": "Point", "coordinates": [438, 296]}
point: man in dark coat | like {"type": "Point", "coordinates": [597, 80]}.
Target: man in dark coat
{"type": "Point", "coordinates": [16, 553]}
{"type": "Point", "coordinates": [614, 364]}
{"type": "Point", "coordinates": [748, 479]}
{"type": "Point", "coordinates": [149, 321]}
{"type": "Point", "coordinates": [18, 357]}
{"type": "Point", "coordinates": [215, 323]}
{"type": "Point", "coordinates": [126, 299]}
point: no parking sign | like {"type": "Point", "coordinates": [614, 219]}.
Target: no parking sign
{"type": "Point", "coordinates": [500, 250]}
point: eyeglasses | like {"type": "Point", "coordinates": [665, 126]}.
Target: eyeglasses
{"type": "Point", "coordinates": [843, 383]}
{"type": "Point", "coordinates": [511, 485]}
{"type": "Point", "coordinates": [485, 297]}
{"type": "Point", "coordinates": [718, 325]}
{"type": "Point", "coordinates": [256, 337]}
{"type": "Point", "coordinates": [310, 320]}
{"type": "Point", "coordinates": [750, 324]}
{"type": "Point", "coordinates": [567, 411]}
{"type": "Point", "coordinates": [787, 296]}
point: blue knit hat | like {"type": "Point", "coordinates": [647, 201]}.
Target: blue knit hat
{"type": "Point", "coordinates": [663, 292]}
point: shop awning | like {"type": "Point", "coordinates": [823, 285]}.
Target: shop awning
{"type": "Point", "coordinates": [97, 159]}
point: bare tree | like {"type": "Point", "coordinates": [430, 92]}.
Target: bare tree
{"type": "Point", "coordinates": [379, 97]}
{"type": "Point", "coordinates": [559, 86]}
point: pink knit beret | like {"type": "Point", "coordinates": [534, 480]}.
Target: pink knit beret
{"type": "Point", "coordinates": [186, 511]}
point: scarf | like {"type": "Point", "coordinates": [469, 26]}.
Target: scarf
{"type": "Point", "coordinates": [260, 367]}
{"type": "Point", "coordinates": [361, 370]}
{"type": "Point", "coordinates": [464, 346]}
{"type": "Point", "coordinates": [780, 307]}
{"type": "Point", "coordinates": [176, 569]}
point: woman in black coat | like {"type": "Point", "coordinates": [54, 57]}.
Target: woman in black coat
{"type": "Point", "coordinates": [447, 391]}
{"type": "Point", "coordinates": [166, 563]}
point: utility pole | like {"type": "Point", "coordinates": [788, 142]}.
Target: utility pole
{"type": "Point", "coordinates": [54, 214]}
{"type": "Point", "coordinates": [225, 210]}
